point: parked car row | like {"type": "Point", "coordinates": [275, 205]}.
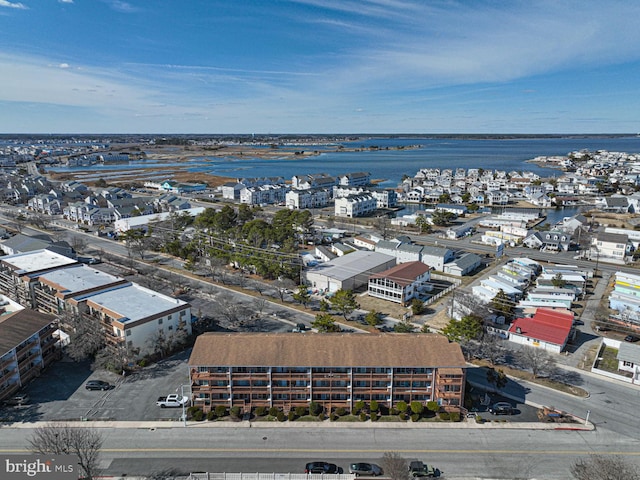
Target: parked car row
{"type": "Point", "coordinates": [357, 469]}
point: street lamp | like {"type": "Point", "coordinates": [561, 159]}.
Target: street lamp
{"type": "Point", "coordinates": [184, 404]}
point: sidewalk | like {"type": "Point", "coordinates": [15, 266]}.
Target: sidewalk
{"type": "Point", "coordinates": [466, 423]}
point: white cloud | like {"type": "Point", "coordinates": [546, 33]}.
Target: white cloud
{"type": "Point", "coordinates": [63, 65]}
{"type": "Point", "coordinates": [121, 6]}
{"type": "Point", "coordinates": [65, 1]}
{"type": "Point", "coordinates": [17, 5]}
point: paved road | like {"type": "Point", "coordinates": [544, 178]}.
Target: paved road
{"type": "Point", "coordinates": [472, 453]}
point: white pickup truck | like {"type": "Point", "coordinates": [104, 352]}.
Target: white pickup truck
{"type": "Point", "coordinates": [172, 401]}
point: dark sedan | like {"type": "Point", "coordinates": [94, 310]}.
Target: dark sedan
{"type": "Point", "coordinates": [97, 385]}
{"type": "Point", "coordinates": [322, 467]}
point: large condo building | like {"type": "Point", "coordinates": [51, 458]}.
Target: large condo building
{"type": "Point", "coordinates": [287, 370]}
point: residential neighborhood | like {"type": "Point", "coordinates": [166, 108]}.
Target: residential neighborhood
{"type": "Point", "coordinates": [401, 288]}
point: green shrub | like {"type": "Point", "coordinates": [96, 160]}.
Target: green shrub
{"type": "Point", "coordinates": [363, 416]}
{"type": "Point", "coordinates": [444, 415]}
{"type": "Point", "coordinates": [402, 406]}
{"type": "Point", "coordinates": [291, 416]}
{"type": "Point", "coordinates": [374, 417]}
{"type": "Point", "coordinates": [191, 410]}
{"type": "Point", "coordinates": [211, 415]}
{"type": "Point", "coordinates": [358, 407]}
{"type": "Point", "coordinates": [433, 406]}
{"type": "Point", "coordinates": [454, 416]}
{"type": "Point", "coordinates": [479, 419]}
{"type": "Point", "coordinates": [281, 416]}
{"type": "Point", "coordinates": [321, 416]}
{"type": "Point", "coordinates": [142, 363]}
{"type": "Point", "coordinates": [417, 407]}
{"type": "Point", "coordinates": [235, 411]}
{"type": "Point", "coordinates": [394, 411]}
{"type": "Point", "coordinates": [273, 411]}
{"type": "Point", "coordinates": [221, 411]}
{"type": "Point", "coordinates": [374, 407]}
{"type": "Point", "coordinates": [300, 411]}
{"type": "Point", "coordinates": [341, 411]}
{"type": "Point", "coordinates": [402, 416]}
{"type": "Point", "coordinates": [198, 415]}
{"type": "Point", "coordinates": [315, 408]}
{"type": "Point", "coordinates": [415, 417]}
{"type": "Point", "coordinates": [333, 417]}
{"type": "Point", "coordinates": [260, 411]}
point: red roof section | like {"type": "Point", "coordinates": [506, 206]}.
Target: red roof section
{"type": "Point", "coordinates": [404, 273]}
{"type": "Point", "coordinates": [546, 325]}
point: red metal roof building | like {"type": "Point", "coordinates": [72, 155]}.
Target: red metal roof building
{"type": "Point", "coordinates": [548, 329]}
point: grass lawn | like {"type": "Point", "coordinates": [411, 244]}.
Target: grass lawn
{"type": "Point", "coordinates": [608, 360]}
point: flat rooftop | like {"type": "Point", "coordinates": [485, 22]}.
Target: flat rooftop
{"type": "Point", "coordinates": [38, 260]}
{"type": "Point", "coordinates": [133, 302]}
{"type": "Point", "coordinates": [79, 278]}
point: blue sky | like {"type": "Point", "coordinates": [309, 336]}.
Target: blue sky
{"type": "Point", "coordinates": [319, 66]}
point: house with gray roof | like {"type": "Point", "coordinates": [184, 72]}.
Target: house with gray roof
{"type": "Point", "coordinates": [616, 205]}
{"type": "Point", "coordinates": [465, 265]}
{"type": "Point", "coordinates": [553, 240]}
{"type": "Point", "coordinates": [436, 257]}
{"type": "Point", "coordinates": [629, 360]}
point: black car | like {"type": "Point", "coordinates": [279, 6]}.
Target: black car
{"type": "Point", "coordinates": [631, 338]}
{"type": "Point", "coordinates": [322, 467]}
{"type": "Point", "coordinates": [501, 408]}
{"type": "Point", "coordinates": [97, 385]}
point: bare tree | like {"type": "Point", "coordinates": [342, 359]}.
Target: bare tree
{"type": "Point", "coordinates": [259, 287]}
{"type": "Point", "coordinates": [77, 243]}
{"type": "Point", "coordinates": [282, 285]}
{"type": "Point", "coordinates": [164, 344]}
{"type": "Point", "coordinates": [260, 304]}
{"type": "Point", "coordinates": [60, 438]}
{"type": "Point", "coordinates": [600, 467]}
{"type": "Point", "coordinates": [39, 221]}
{"type": "Point", "coordinates": [492, 348]}
{"type": "Point", "coordinates": [114, 357]}
{"type": "Point", "coordinates": [465, 303]}
{"type": "Point", "coordinates": [395, 466]}
{"type": "Point", "coordinates": [86, 335]}
{"type": "Point", "coordinates": [536, 360]}
{"type": "Point", "coordinates": [231, 310]}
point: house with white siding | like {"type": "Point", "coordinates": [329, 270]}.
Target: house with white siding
{"type": "Point", "coordinates": [400, 284]}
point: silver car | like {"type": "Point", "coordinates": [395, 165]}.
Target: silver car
{"type": "Point", "coordinates": [367, 469]}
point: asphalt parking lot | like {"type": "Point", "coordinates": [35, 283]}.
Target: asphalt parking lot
{"type": "Point", "coordinates": [59, 394]}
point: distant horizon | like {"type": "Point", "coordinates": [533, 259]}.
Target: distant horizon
{"type": "Point", "coordinates": [308, 134]}
{"type": "Point", "coordinates": [319, 66]}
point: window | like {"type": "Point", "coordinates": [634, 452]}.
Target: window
{"type": "Point", "coordinates": [160, 321]}
{"type": "Point", "coordinates": [128, 332]}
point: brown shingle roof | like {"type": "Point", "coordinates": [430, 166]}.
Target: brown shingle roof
{"type": "Point", "coordinates": [405, 273]}
{"type": "Point", "coordinates": [17, 327]}
{"type": "Point", "coordinates": [325, 350]}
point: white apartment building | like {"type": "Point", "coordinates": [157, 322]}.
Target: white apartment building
{"type": "Point", "coordinates": [355, 205]}
{"type": "Point", "coordinates": [301, 199]}
{"type": "Point", "coordinates": [264, 194]}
